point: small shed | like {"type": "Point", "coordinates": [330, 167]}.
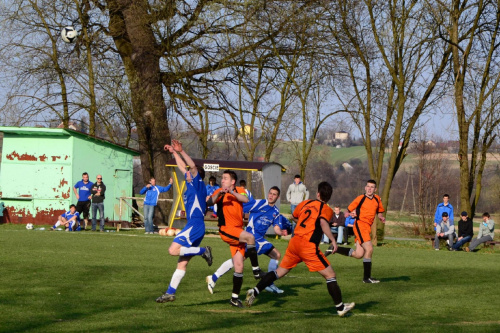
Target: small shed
{"type": "Point", "coordinates": [40, 166]}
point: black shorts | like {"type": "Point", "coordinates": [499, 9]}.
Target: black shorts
{"type": "Point", "coordinates": [83, 207]}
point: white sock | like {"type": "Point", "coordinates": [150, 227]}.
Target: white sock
{"type": "Point", "coordinates": [273, 265]}
{"type": "Point", "coordinates": [224, 268]}
{"type": "Point", "coordinates": [176, 278]}
{"type": "Point", "coordinates": [58, 223]}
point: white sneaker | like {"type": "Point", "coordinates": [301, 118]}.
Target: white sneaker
{"type": "Point", "coordinates": [210, 284]}
{"type": "Point", "coordinates": [250, 297]}
{"type": "Point", "coordinates": [273, 289]}
{"type": "Point", "coordinates": [347, 307]}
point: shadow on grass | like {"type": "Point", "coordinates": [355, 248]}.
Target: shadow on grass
{"type": "Point", "coordinates": [396, 278]}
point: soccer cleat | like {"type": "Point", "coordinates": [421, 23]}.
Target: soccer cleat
{"type": "Point", "coordinates": [207, 255]}
{"type": "Point", "coordinates": [329, 251]}
{"type": "Point", "coordinates": [250, 297]}
{"type": "Point", "coordinates": [436, 249]}
{"type": "Point", "coordinates": [273, 289]}
{"type": "Point", "coordinates": [52, 229]}
{"type": "Point", "coordinates": [347, 307]}
{"type": "Point", "coordinates": [236, 302]}
{"type": "Point", "coordinates": [210, 284]}
{"type": "Point", "coordinates": [258, 274]}
{"type": "Point", "coordinates": [467, 249]}
{"type": "Point", "coordinates": [371, 280]}
{"type": "Point", "coordinates": [165, 298]}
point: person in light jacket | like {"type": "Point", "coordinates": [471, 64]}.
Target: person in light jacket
{"type": "Point", "coordinates": [152, 193]}
{"type": "Point", "coordinates": [486, 233]}
{"type": "Point", "coordinates": [444, 229]}
{"type": "Point", "coordinates": [297, 192]}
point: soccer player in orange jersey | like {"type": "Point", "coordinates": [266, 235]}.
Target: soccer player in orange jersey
{"type": "Point", "coordinates": [313, 221]}
{"type": "Point", "coordinates": [364, 209]}
{"type": "Point", "coordinates": [229, 200]}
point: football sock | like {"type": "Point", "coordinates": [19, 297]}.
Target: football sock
{"type": "Point", "coordinates": [192, 251]}
{"type": "Point", "coordinates": [273, 265]}
{"type": "Point", "coordinates": [367, 265]}
{"type": "Point", "coordinates": [58, 223]}
{"type": "Point", "coordinates": [334, 291]}
{"type": "Point", "coordinates": [266, 281]}
{"type": "Point", "coordinates": [237, 283]}
{"type": "Point", "coordinates": [345, 251]}
{"type": "Point", "coordinates": [252, 254]}
{"type": "Point", "coordinates": [174, 282]}
{"type": "Point", "coordinates": [223, 269]}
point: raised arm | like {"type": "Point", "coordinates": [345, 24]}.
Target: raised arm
{"type": "Point", "coordinates": [177, 145]}
{"type": "Point", "coordinates": [178, 160]}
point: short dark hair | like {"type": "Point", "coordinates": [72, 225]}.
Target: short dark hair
{"type": "Point", "coordinates": [276, 188]}
{"type": "Point", "coordinates": [445, 214]}
{"type": "Point", "coordinates": [201, 171]}
{"type": "Point", "coordinates": [212, 178]}
{"type": "Point", "coordinates": [152, 178]}
{"type": "Point", "coordinates": [486, 214]}
{"type": "Point", "coordinates": [232, 174]}
{"type": "Point", "coordinates": [83, 174]}
{"type": "Point", "coordinates": [325, 191]}
{"type": "Point", "coordinates": [71, 206]}
{"type": "Point", "coordinates": [371, 181]}
{"type": "Point", "coordinates": [446, 195]}
{"type": "Point", "coordinates": [296, 176]}
{"type": "Point", "coordinates": [243, 182]}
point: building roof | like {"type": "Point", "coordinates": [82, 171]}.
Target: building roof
{"type": "Point", "coordinates": [233, 165]}
{"type": "Point", "coordinates": [64, 132]}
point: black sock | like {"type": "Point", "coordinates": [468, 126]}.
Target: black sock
{"type": "Point", "coordinates": [344, 251]}
{"type": "Point", "coordinates": [252, 254]}
{"type": "Point", "coordinates": [266, 281]}
{"type": "Point", "coordinates": [367, 265]}
{"type": "Point", "coordinates": [237, 283]}
{"type": "Point", "coordinates": [334, 291]}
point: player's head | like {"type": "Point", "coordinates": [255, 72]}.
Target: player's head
{"type": "Point", "coordinates": [273, 194]}
{"type": "Point", "coordinates": [446, 198]}
{"type": "Point", "coordinates": [463, 215]}
{"type": "Point", "coordinates": [72, 209]}
{"type": "Point", "coordinates": [371, 187]}
{"type": "Point", "coordinates": [229, 178]}
{"type": "Point", "coordinates": [486, 216]}
{"type": "Point", "coordinates": [445, 216]}
{"type": "Point", "coordinates": [336, 210]}
{"type": "Point", "coordinates": [85, 176]}
{"type": "Point", "coordinates": [99, 178]}
{"type": "Point", "coordinates": [201, 171]}
{"type": "Point", "coordinates": [325, 191]}
{"type": "Point", "coordinates": [243, 183]}
{"type": "Point", "coordinates": [152, 181]}
{"type": "Point", "coordinates": [212, 180]}
{"type": "Point", "coordinates": [296, 179]}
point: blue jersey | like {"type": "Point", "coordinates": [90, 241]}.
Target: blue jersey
{"type": "Point", "coordinates": [195, 199]}
{"type": "Point", "coordinates": [84, 190]}
{"type": "Point", "coordinates": [262, 216]}
{"type": "Point", "coordinates": [69, 216]}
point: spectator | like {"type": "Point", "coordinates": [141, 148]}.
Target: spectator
{"type": "Point", "coordinates": [444, 206]}
{"type": "Point", "coordinates": [98, 195]}
{"type": "Point", "coordinates": [211, 187]}
{"type": "Point", "coordinates": [444, 229]}
{"type": "Point", "coordinates": [70, 220]}
{"type": "Point", "coordinates": [348, 230]}
{"type": "Point", "coordinates": [152, 193]}
{"type": "Point", "coordinates": [83, 197]}
{"type": "Point", "coordinates": [337, 226]}
{"type": "Point", "coordinates": [485, 234]}
{"type": "Point", "coordinates": [297, 192]}
{"type": "Point", "coordinates": [465, 232]}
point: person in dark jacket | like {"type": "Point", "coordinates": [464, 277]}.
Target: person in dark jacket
{"type": "Point", "coordinates": [465, 232]}
{"type": "Point", "coordinates": [97, 191]}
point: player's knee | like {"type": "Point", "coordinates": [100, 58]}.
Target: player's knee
{"type": "Point", "coordinates": [173, 251]}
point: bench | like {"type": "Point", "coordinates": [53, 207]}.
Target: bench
{"type": "Point", "coordinates": [491, 244]}
{"type": "Point", "coordinates": [433, 237]}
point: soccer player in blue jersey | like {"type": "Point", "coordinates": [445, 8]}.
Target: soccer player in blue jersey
{"type": "Point", "coordinates": [83, 196]}
{"type": "Point", "coordinates": [263, 214]}
{"type": "Point", "coordinates": [186, 243]}
{"type": "Point", "coordinates": [70, 220]}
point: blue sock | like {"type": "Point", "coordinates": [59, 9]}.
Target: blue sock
{"type": "Point", "coordinates": [171, 290]}
{"type": "Point", "coordinates": [214, 278]}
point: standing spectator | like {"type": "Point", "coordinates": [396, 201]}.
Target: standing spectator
{"type": "Point", "coordinates": [98, 195]}
{"type": "Point", "coordinates": [152, 193]}
{"type": "Point", "coordinates": [297, 192]}
{"type": "Point", "coordinates": [83, 197]}
{"type": "Point", "coordinates": [442, 207]}
{"type": "Point", "coordinates": [444, 229]}
{"type": "Point", "coordinates": [337, 226]}
{"type": "Point", "coordinates": [465, 232]}
{"type": "Point", "coordinates": [486, 233]}
{"type": "Point", "coordinates": [212, 186]}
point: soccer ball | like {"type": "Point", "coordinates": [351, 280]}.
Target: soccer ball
{"type": "Point", "coordinates": [69, 34]}
{"type": "Point", "coordinates": [29, 226]}
{"type": "Point", "coordinates": [171, 232]}
{"type": "Point", "coordinates": [177, 231]}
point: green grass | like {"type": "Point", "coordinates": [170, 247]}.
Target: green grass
{"type": "Point", "coordinates": [107, 282]}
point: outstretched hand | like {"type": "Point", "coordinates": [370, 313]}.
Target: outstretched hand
{"type": "Point", "coordinates": [169, 148]}
{"type": "Point", "coordinates": [177, 145]}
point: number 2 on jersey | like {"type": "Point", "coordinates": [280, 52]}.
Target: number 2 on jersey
{"type": "Point", "coordinates": [307, 213]}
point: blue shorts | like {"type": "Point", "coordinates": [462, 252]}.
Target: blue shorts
{"type": "Point", "coordinates": [263, 246]}
{"type": "Point", "coordinates": [191, 235]}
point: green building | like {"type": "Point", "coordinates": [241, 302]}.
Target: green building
{"type": "Point", "coordinates": [40, 166]}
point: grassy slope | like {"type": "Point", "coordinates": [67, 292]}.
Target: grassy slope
{"type": "Point", "coordinates": [102, 282]}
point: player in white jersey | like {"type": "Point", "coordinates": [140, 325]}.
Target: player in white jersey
{"type": "Point", "coordinates": [186, 243]}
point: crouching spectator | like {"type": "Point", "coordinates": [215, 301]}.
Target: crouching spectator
{"type": "Point", "coordinates": [486, 233]}
{"type": "Point", "coordinates": [465, 232]}
{"type": "Point", "coordinates": [70, 220]}
{"type": "Point", "coordinates": [444, 229]}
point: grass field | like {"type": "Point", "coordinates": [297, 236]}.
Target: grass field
{"type": "Point", "coordinates": [107, 282]}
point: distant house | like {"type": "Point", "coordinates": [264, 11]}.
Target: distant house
{"type": "Point", "coordinates": [341, 136]}
{"type": "Point", "coordinates": [40, 166]}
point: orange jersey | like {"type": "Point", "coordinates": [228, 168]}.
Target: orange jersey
{"type": "Point", "coordinates": [366, 208]}
{"type": "Point", "coordinates": [229, 209]}
{"type": "Point", "coordinates": [309, 213]}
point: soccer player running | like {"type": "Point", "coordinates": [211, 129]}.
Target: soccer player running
{"type": "Point", "coordinates": [185, 244]}
{"type": "Point", "coordinates": [263, 214]}
{"type": "Point", "coordinates": [363, 209]}
{"type": "Point", "coordinates": [229, 200]}
{"type": "Point", "coordinates": [313, 221]}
